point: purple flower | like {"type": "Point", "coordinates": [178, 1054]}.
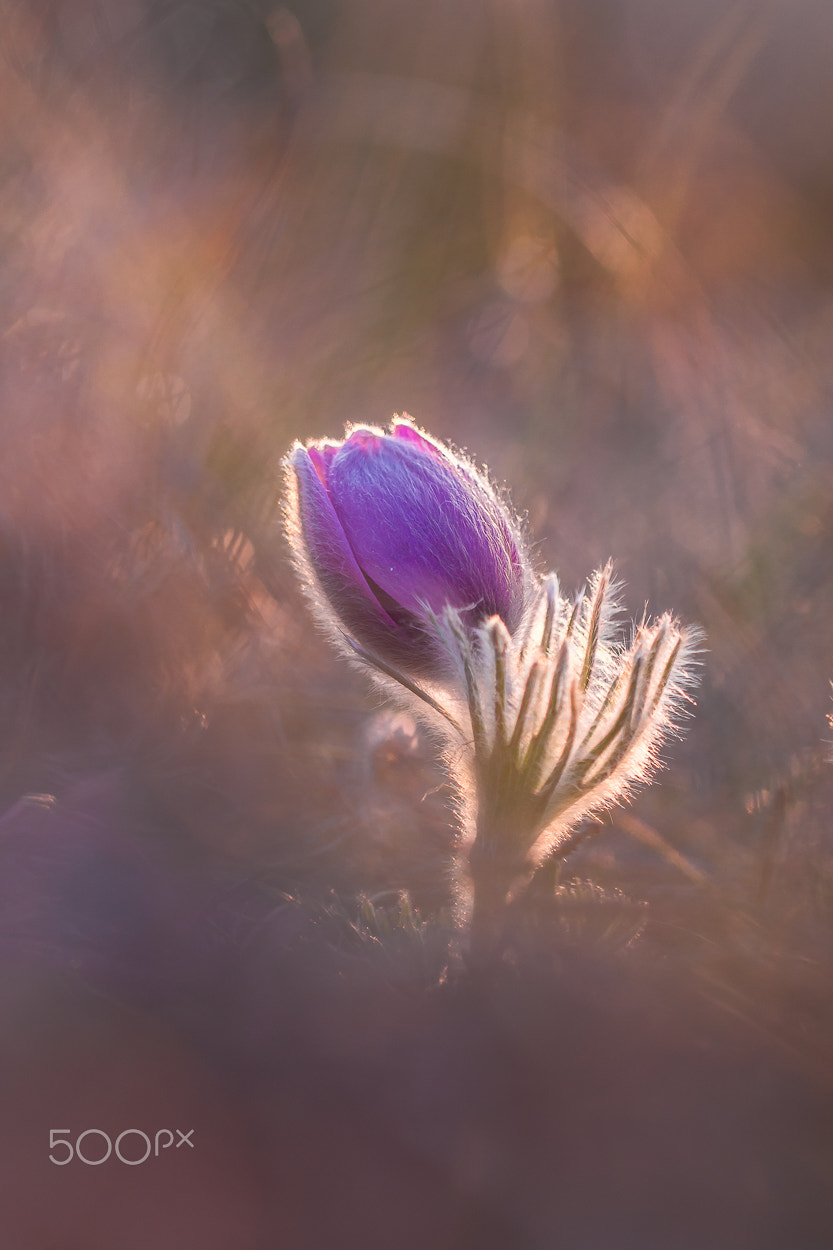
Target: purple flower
{"type": "Point", "coordinates": [393, 527]}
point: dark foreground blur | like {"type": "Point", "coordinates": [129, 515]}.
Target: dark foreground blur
{"type": "Point", "coordinates": [590, 241]}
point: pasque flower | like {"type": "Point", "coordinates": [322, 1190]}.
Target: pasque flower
{"type": "Point", "coordinates": [421, 573]}
{"type": "Point", "coordinates": [389, 529]}
{"type": "Point", "coordinates": [563, 719]}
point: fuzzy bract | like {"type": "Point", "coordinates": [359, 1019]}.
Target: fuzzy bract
{"type": "Point", "coordinates": [563, 719]}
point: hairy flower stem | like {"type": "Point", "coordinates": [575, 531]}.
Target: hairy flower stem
{"type": "Point", "coordinates": [502, 888]}
{"type": "Point", "coordinates": [493, 874]}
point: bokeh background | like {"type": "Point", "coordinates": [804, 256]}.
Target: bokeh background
{"type": "Point", "coordinates": [589, 241]}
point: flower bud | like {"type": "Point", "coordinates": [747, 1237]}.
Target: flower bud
{"type": "Point", "coordinates": [391, 528]}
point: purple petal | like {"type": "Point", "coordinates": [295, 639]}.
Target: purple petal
{"type": "Point", "coordinates": [338, 573]}
{"type": "Point", "coordinates": [420, 529]}
{"type": "Point", "coordinates": [321, 455]}
{"type": "Point", "coordinates": [404, 430]}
